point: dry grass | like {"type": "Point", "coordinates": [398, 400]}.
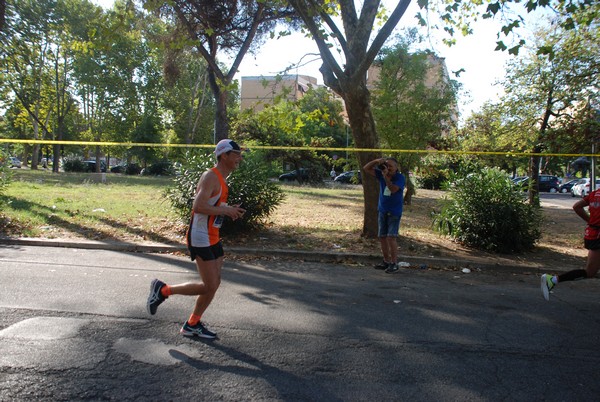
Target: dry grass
{"type": "Point", "coordinates": [330, 219]}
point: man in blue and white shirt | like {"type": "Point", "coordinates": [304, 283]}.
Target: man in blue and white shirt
{"type": "Point", "coordinates": [391, 201]}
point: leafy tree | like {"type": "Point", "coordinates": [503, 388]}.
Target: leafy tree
{"type": "Point", "coordinates": [543, 92]}
{"type": "Point", "coordinates": [281, 125]}
{"type": "Point", "coordinates": [188, 98]}
{"type": "Point", "coordinates": [488, 130]}
{"type": "Point", "coordinates": [578, 133]}
{"type": "Point", "coordinates": [313, 121]}
{"type": "Point", "coordinates": [217, 27]}
{"type": "Point", "coordinates": [2, 13]}
{"type": "Point", "coordinates": [358, 48]}
{"type": "Point", "coordinates": [324, 115]}
{"type": "Point", "coordinates": [26, 48]}
{"type": "Point", "coordinates": [147, 132]}
{"type": "Point", "coordinates": [414, 102]}
{"type": "Point", "coordinates": [117, 75]}
{"type": "Point", "coordinates": [5, 173]}
{"type": "Point", "coordinates": [39, 63]}
{"type": "Point", "coordinates": [454, 17]}
{"type": "Point", "coordinates": [349, 78]}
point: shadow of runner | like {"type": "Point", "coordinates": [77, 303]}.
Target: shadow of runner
{"type": "Point", "coordinates": [289, 386]}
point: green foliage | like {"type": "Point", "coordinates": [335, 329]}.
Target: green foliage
{"type": "Point", "coordinates": [435, 171]}
{"type": "Point", "coordinates": [5, 173]}
{"type": "Point", "coordinates": [313, 121]}
{"type": "Point", "coordinates": [456, 16]}
{"type": "Point", "coordinates": [74, 164]}
{"type": "Point", "coordinates": [487, 212]}
{"type": "Point", "coordinates": [249, 186]}
{"type": "Point", "coordinates": [163, 168]}
{"type": "Point", "coordinates": [433, 179]}
{"type": "Point", "coordinates": [413, 100]}
{"type": "Point", "coordinates": [147, 132]}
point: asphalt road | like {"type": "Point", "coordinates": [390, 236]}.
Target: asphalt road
{"type": "Point", "coordinates": [73, 326]}
{"type": "Point", "coordinates": [558, 200]}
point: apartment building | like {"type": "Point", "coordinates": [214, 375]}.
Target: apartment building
{"type": "Point", "coordinates": [258, 91]}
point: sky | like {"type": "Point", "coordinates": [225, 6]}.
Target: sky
{"type": "Point", "coordinates": [475, 54]}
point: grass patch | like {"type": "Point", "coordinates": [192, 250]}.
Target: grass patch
{"type": "Point", "coordinates": [44, 204]}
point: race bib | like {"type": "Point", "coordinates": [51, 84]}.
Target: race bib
{"type": "Point", "coordinates": [218, 222]}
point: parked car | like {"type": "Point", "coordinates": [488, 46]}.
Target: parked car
{"type": "Point", "coordinates": [164, 168]}
{"type": "Point", "coordinates": [547, 183]}
{"type": "Point", "coordinates": [566, 187]}
{"type": "Point", "coordinates": [576, 189]}
{"type": "Point", "coordinates": [126, 168]}
{"type": "Point", "coordinates": [521, 181]}
{"type": "Point", "coordinates": [301, 175]}
{"type": "Point", "coordinates": [583, 189]}
{"type": "Point", "coordinates": [350, 177]}
{"type": "Point", "coordinates": [91, 166]}
{"type": "Point", "coordinates": [14, 162]}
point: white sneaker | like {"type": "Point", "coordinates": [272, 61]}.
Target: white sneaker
{"type": "Point", "coordinates": [546, 285]}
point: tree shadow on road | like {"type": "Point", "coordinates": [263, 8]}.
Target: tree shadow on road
{"type": "Point", "coordinates": [289, 386]}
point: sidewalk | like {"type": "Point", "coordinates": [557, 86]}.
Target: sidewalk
{"type": "Point", "coordinates": [419, 262]}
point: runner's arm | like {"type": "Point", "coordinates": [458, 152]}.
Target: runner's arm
{"type": "Point", "coordinates": [208, 186]}
{"type": "Point", "coordinates": [579, 208]}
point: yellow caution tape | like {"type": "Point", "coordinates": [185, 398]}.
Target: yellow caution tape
{"type": "Point", "coordinates": [286, 148]}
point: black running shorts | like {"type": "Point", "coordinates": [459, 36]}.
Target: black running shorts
{"type": "Point", "coordinates": [207, 253]}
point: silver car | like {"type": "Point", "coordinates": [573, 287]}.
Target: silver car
{"type": "Point", "coordinates": [14, 162]}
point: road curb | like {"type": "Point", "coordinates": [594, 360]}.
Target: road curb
{"type": "Point", "coordinates": [308, 256]}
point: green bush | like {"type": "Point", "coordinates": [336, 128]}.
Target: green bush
{"type": "Point", "coordinates": [132, 169]}
{"type": "Point", "coordinates": [5, 173]}
{"type": "Point", "coordinates": [73, 164]}
{"type": "Point", "coordinates": [486, 211]}
{"type": "Point", "coordinates": [164, 168]}
{"type": "Point", "coordinates": [433, 180]}
{"type": "Point", "coordinates": [249, 185]}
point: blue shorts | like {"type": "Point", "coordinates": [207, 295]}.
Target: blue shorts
{"type": "Point", "coordinates": [207, 253]}
{"type": "Point", "coordinates": [389, 224]}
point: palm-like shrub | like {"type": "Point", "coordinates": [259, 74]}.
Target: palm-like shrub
{"type": "Point", "coordinates": [486, 211]}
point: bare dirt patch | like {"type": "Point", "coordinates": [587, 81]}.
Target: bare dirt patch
{"type": "Point", "coordinates": [334, 225]}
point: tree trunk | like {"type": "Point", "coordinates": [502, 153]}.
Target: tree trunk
{"type": "Point", "coordinates": [60, 128]}
{"type": "Point", "coordinates": [361, 119]}
{"type": "Point", "coordinates": [534, 169]}
{"type": "Point", "coordinates": [36, 136]}
{"type": "Point", "coordinates": [220, 94]}
{"type": "Point", "coordinates": [410, 191]}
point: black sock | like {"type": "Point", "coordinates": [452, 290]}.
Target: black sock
{"type": "Point", "coordinates": [572, 275]}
